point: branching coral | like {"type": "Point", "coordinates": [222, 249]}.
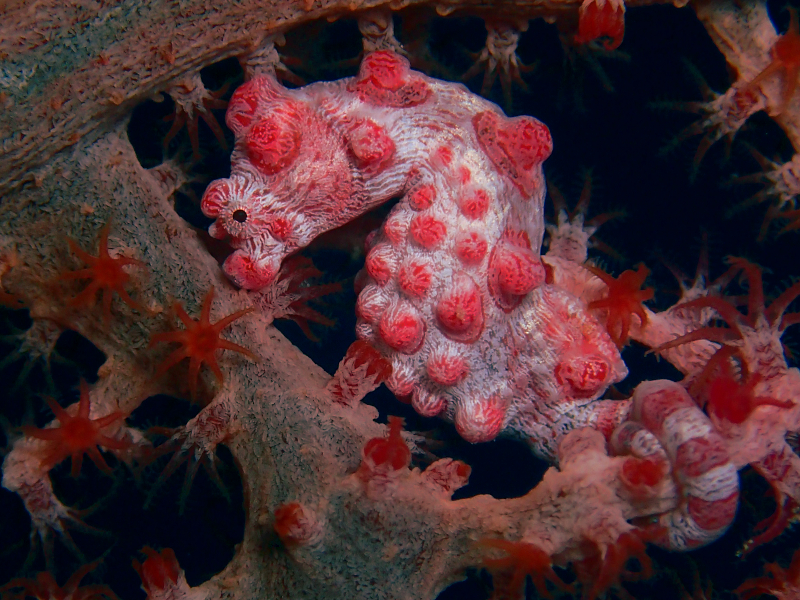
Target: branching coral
{"type": "Point", "coordinates": [459, 311]}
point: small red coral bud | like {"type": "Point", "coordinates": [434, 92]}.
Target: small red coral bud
{"type": "Point", "coordinates": [362, 370]}
{"type": "Point", "coordinates": [601, 18]}
{"type": "Point", "coordinates": [385, 457]}
{"type": "Point", "coordinates": [160, 573]}
{"type": "Point", "coordinates": [296, 525]}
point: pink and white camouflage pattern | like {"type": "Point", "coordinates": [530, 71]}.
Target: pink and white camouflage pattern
{"type": "Point", "coordinates": [454, 292]}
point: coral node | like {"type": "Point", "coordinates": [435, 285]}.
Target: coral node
{"type": "Point", "coordinates": [387, 456]}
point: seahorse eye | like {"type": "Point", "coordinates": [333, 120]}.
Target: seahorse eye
{"type": "Point", "coordinates": [239, 215]}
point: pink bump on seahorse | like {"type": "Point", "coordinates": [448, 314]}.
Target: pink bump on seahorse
{"type": "Point", "coordinates": [454, 292]}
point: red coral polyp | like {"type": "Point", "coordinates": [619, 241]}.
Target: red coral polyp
{"type": "Point", "coordinates": [77, 435]}
{"type": "Point", "coordinates": [623, 301]}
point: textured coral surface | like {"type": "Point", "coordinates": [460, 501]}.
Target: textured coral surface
{"type": "Point", "coordinates": [143, 261]}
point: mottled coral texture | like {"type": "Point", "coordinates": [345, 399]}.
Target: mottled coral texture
{"type": "Point", "coordinates": [489, 321]}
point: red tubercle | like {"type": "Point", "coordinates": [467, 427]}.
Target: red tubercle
{"type": "Point", "coordinates": [371, 145]}
{"type": "Point", "coordinates": [443, 156]}
{"type": "Point", "coordinates": [242, 105]}
{"type": "Point", "coordinates": [371, 303]}
{"type": "Point", "coordinates": [281, 228]}
{"type": "Point", "coordinates": [415, 277]}
{"type": "Point", "coordinates": [583, 372]}
{"type": "Point", "coordinates": [459, 310]}
{"type": "Point", "coordinates": [481, 419]}
{"type": "Point", "coordinates": [446, 368]}
{"type": "Point", "coordinates": [402, 328]}
{"type": "Point", "coordinates": [471, 247]}
{"type": "Point", "coordinates": [215, 198]}
{"type": "Point", "coordinates": [514, 271]}
{"type": "Point", "coordinates": [427, 231]}
{"type": "Point", "coordinates": [385, 79]}
{"type": "Point", "coordinates": [516, 147]}
{"type": "Point", "coordinates": [381, 263]}
{"type": "Point", "coordinates": [384, 69]}
{"type": "Point", "coordinates": [395, 227]}
{"type": "Point", "coordinates": [273, 143]}
{"type": "Point", "coordinates": [428, 403]}
{"type": "Point", "coordinates": [475, 204]}
{"type": "Point", "coordinates": [422, 197]}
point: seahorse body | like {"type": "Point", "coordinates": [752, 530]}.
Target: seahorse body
{"type": "Point", "coordinates": [453, 289]}
{"type": "Point", "coordinates": [454, 292]}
